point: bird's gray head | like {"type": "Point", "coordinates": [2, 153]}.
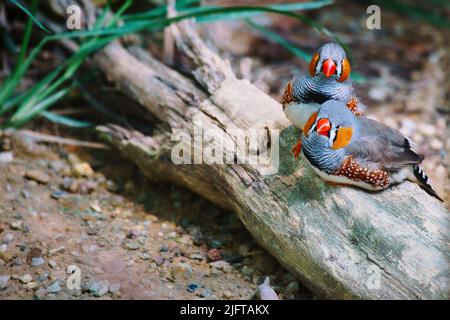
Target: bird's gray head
{"type": "Point", "coordinates": [331, 61]}
{"type": "Point", "coordinates": [334, 126]}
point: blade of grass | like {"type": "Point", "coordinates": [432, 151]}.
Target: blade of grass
{"type": "Point", "coordinates": [30, 14]}
{"type": "Point", "coordinates": [69, 122]}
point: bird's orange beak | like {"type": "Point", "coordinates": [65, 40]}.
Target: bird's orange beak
{"type": "Point", "coordinates": [323, 127]}
{"type": "Point", "coordinates": [328, 67]}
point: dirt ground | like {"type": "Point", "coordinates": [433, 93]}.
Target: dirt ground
{"type": "Point", "coordinates": [131, 239]}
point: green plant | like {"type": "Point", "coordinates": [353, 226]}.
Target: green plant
{"type": "Point", "coordinates": [36, 100]}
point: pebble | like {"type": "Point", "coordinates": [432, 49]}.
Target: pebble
{"type": "Point", "coordinates": [40, 294]}
{"type": "Point", "coordinates": [38, 176]}
{"type": "Point", "coordinates": [133, 245]}
{"type": "Point", "coordinates": [54, 287]}
{"type": "Point", "coordinates": [16, 225]}
{"type": "Point", "coordinates": [145, 256]}
{"type": "Point", "coordinates": [436, 144]}
{"type": "Point", "coordinates": [427, 129]}
{"type": "Point", "coordinates": [4, 279]}
{"type": "Point", "coordinates": [407, 127]}
{"type": "Point", "coordinates": [42, 277]}
{"type": "Point", "coordinates": [59, 195]}
{"type": "Point", "coordinates": [227, 294]}
{"type": "Point", "coordinates": [82, 169]}
{"type": "Point", "coordinates": [32, 285]}
{"type": "Point", "coordinates": [8, 238]}
{"type": "Point", "coordinates": [99, 288]}
{"type": "Point", "coordinates": [206, 293]}
{"type": "Point", "coordinates": [192, 287]}
{"type": "Point", "coordinates": [6, 156]}
{"type": "Point", "coordinates": [26, 278]}
{"type": "Point", "coordinates": [52, 264]}
{"type": "Point", "coordinates": [164, 248]}
{"type": "Point", "coordinates": [181, 268]}
{"type": "Point", "coordinates": [158, 260]}
{"type": "Point", "coordinates": [221, 265]}
{"type": "Point", "coordinates": [37, 261]}
{"type": "Point", "coordinates": [56, 250]}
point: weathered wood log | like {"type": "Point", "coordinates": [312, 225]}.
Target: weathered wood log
{"type": "Point", "coordinates": [340, 241]}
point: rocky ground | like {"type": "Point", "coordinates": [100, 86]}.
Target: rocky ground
{"type": "Point", "coordinates": [63, 214]}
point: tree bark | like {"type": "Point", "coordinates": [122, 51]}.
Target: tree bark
{"type": "Point", "coordinates": [340, 241]}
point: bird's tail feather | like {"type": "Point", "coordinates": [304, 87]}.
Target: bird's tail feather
{"type": "Point", "coordinates": [422, 180]}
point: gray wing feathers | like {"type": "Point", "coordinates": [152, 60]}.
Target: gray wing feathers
{"type": "Point", "coordinates": [381, 147]}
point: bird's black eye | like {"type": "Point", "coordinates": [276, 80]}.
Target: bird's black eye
{"type": "Point", "coordinates": [335, 135]}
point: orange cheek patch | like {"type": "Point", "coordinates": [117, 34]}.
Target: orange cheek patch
{"type": "Point", "coordinates": [312, 64]}
{"type": "Point", "coordinates": [345, 70]}
{"type": "Point", "coordinates": [309, 123]}
{"type": "Point", "coordinates": [343, 137]}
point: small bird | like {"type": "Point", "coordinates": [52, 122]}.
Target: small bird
{"type": "Point", "coordinates": [328, 78]}
{"type": "Point", "coordinates": [346, 149]}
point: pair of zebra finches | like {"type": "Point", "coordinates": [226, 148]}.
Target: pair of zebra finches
{"type": "Point", "coordinates": [341, 144]}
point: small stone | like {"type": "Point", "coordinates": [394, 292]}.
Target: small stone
{"type": "Point", "coordinates": [82, 169]}
{"type": "Point", "coordinates": [38, 176]}
{"type": "Point", "coordinates": [227, 294]}
{"type": "Point", "coordinates": [428, 130]}
{"type": "Point", "coordinates": [145, 256]}
{"type": "Point", "coordinates": [40, 294]}
{"type": "Point", "coordinates": [407, 127]}
{"type": "Point", "coordinates": [221, 265]}
{"type": "Point", "coordinates": [158, 260]}
{"type": "Point", "coordinates": [181, 268]}
{"type": "Point", "coordinates": [6, 156]}
{"type": "Point", "coordinates": [16, 225]}
{"type": "Point", "coordinates": [4, 279]}
{"type": "Point", "coordinates": [59, 195]}
{"type": "Point", "coordinates": [56, 250]}
{"type": "Point", "coordinates": [42, 277]}
{"type": "Point", "coordinates": [26, 278]}
{"type": "Point", "coordinates": [192, 287]}
{"type": "Point", "coordinates": [206, 293]}
{"type": "Point", "coordinates": [52, 264]}
{"type": "Point", "coordinates": [54, 287]}
{"type": "Point", "coordinates": [436, 144]}
{"type": "Point", "coordinates": [99, 288]}
{"type": "Point", "coordinates": [164, 248]}
{"type": "Point", "coordinates": [37, 261]}
{"type": "Point", "coordinates": [32, 285]}
{"type": "Point", "coordinates": [8, 238]}
{"type": "Point", "coordinates": [133, 245]}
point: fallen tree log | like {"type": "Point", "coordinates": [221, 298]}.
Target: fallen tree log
{"type": "Point", "coordinates": [341, 242]}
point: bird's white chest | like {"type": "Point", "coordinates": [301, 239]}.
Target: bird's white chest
{"type": "Point", "coordinates": [299, 113]}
